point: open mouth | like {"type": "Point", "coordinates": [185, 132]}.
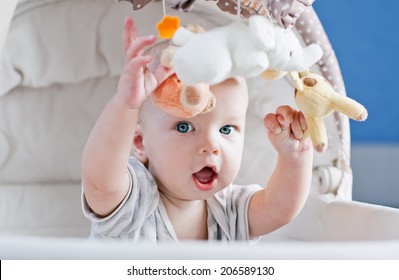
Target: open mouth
{"type": "Point", "coordinates": [205, 178]}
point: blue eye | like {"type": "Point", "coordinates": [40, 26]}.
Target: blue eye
{"type": "Point", "coordinates": [227, 129]}
{"type": "Point", "coordinates": [184, 127]}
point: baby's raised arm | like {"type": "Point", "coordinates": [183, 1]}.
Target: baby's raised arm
{"type": "Point", "coordinates": [105, 157]}
{"type": "Point", "coordinates": [289, 185]}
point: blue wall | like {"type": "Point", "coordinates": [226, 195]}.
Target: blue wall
{"type": "Point", "coordinates": [364, 35]}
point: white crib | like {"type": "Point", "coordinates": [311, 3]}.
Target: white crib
{"type": "Point", "coordinates": [59, 64]}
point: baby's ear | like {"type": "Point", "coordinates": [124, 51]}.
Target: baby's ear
{"type": "Point", "coordinates": [138, 149]}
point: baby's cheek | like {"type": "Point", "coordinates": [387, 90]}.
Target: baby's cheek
{"type": "Point", "coordinates": [232, 167]}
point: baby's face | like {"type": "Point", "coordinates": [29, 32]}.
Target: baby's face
{"type": "Point", "coordinates": [194, 158]}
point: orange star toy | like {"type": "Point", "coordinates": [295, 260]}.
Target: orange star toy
{"type": "Point", "coordinates": [168, 26]}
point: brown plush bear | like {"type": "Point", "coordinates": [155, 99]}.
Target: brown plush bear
{"type": "Point", "coordinates": [182, 101]}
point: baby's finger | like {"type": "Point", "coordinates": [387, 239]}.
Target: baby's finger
{"type": "Point", "coordinates": [302, 120]}
{"type": "Point", "coordinates": [287, 115]}
{"type": "Point", "coordinates": [283, 123]}
{"type": "Point", "coordinates": [129, 33]}
{"type": "Point", "coordinates": [272, 124]}
{"type": "Point", "coordinates": [136, 65]}
{"type": "Point", "coordinates": [137, 46]}
{"type": "Point", "coordinates": [296, 127]}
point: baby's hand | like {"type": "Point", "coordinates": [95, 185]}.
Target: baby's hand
{"type": "Point", "coordinates": [137, 81]}
{"type": "Point", "coordinates": [286, 131]}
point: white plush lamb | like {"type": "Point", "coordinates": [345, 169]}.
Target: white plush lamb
{"type": "Point", "coordinates": [238, 49]}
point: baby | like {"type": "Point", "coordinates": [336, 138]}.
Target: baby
{"type": "Point", "coordinates": [179, 182]}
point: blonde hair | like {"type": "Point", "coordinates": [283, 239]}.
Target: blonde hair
{"type": "Point", "coordinates": [155, 51]}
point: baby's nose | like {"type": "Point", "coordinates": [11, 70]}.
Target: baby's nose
{"type": "Point", "coordinates": [209, 144]}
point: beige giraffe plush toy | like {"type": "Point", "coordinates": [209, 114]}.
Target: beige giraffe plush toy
{"type": "Point", "coordinates": [316, 98]}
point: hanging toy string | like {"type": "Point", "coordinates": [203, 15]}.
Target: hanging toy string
{"type": "Point", "coordinates": [164, 8]}
{"type": "Point", "coordinates": [168, 25]}
{"type": "Point", "coordinates": [238, 9]}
